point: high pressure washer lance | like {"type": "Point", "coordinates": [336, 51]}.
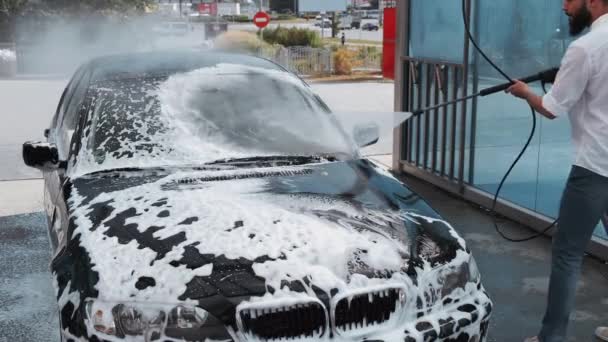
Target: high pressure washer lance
{"type": "Point", "coordinates": [546, 76]}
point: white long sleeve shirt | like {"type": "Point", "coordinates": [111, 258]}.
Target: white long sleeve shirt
{"type": "Point", "coordinates": [581, 89]}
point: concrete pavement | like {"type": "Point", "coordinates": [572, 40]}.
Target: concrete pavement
{"type": "Point", "coordinates": [516, 274]}
{"type": "Point", "coordinates": [27, 107]}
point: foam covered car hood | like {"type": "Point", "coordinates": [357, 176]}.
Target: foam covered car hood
{"type": "Point", "coordinates": [175, 236]}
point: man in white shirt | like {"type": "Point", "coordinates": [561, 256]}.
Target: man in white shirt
{"type": "Point", "coordinates": [580, 90]}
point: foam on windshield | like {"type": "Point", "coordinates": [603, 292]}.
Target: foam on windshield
{"type": "Point", "coordinates": [226, 111]}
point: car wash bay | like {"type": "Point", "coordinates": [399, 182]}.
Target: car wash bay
{"type": "Point", "coordinates": [467, 147]}
{"type": "Point", "coordinates": [514, 274]}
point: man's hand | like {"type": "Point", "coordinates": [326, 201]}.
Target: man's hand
{"type": "Point", "coordinates": [520, 89]}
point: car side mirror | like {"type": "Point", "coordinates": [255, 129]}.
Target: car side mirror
{"type": "Point", "coordinates": [366, 134]}
{"type": "Point", "coordinates": [41, 155]}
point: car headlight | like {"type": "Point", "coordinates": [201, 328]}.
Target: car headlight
{"type": "Point", "coordinates": [458, 277]}
{"type": "Point", "coordinates": [474, 275]}
{"type": "Point", "coordinates": [120, 319]}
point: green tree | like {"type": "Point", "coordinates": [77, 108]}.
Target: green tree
{"type": "Point", "coordinates": [109, 7]}
{"type": "Point", "coordinates": [335, 25]}
{"type": "Point", "coordinates": [9, 11]}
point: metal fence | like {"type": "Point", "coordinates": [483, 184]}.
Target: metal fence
{"type": "Point", "coordinates": [308, 61]}
{"type": "Point", "coordinates": [302, 60]}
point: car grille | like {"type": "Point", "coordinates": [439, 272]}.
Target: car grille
{"type": "Point", "coordinates": [298, 320]}
{"type": "Point", "coordinates": [367, 309]}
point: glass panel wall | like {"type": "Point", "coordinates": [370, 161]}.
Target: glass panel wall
{"type": "Point", "coordinates": [436, 30]}
{"type": "Point", "coordinates": [522, 37]}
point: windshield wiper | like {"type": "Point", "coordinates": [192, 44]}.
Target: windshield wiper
{"type": "Point", "coordinates": [270, 161]}
{"type": "Point", "coordinates": [123, 169]}
{"type": "Point", "coordinates": [167, 168]}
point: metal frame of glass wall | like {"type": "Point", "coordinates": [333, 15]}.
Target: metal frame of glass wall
{"type": "Point", "coordinates": [416, 150]}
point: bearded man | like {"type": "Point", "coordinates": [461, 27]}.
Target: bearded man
{"type": "Point", "coordinates": [580, 90]}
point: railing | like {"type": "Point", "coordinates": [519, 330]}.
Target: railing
{"type": "Point", "coordinates": [435, 141]}
{"type": "Point", "coordinates": [308, 61]}
{"type": "Point", "coordinates": [302, 60]}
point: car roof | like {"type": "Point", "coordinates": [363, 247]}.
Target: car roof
{"type": "Point", "coordinates": [168, 62]}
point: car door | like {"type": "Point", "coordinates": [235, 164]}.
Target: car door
{"type": "Point", "coordinates": [61, 134]}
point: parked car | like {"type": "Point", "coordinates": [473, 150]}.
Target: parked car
{"type": "Point", "coordinates": [205, 196]}
{"type": "Point", "coordinates": [370, 27]}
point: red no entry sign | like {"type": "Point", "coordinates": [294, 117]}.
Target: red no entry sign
{"type": "Point", "coordinates": [261, 19]}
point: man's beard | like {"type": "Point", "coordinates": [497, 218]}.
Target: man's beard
{"type": "Point", "coordinates": [579, 21]}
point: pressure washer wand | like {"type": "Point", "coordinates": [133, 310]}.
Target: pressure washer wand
{"type": "Point", "coordinates": [545, 76]}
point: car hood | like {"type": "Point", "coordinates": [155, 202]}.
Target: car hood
{"type": "Point", "coordinates": [328, 227]}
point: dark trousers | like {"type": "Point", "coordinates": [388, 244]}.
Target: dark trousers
{"type": "Point", "coordinates": [584, 202]}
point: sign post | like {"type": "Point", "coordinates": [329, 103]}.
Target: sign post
{"type": "Point", "coordinates": [261, 20]}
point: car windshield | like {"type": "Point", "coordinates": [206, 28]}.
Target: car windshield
{"type": "Point", "coordinates": [204, 115]}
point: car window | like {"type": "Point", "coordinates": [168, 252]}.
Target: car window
{"type": "Point", "coordinates": [55, 120]}
{"type": "Point", "coordinates": [74, 103]}
{"type": "Point", "coordinates": [69, 120]}
{"type": "Point", "coordinates": [65, 100]}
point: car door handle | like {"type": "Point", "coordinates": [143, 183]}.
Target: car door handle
{"type": "Point", "coordinates": [47, 132]}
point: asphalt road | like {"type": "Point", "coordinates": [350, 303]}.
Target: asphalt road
{"type": "Point", "coordinates": [28, 312]}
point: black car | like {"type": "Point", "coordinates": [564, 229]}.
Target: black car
{"type": "Point", "coordinates": [370, 27]}
{"type": "Point", "coordinates": [208, 196]}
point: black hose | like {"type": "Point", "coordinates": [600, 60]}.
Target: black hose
{"type": "Point", "coordinates": [504, 178]}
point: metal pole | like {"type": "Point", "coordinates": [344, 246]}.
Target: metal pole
{"type": "Point", "coordinates": [322, 26]}
{"type": "Point", "coordinates": [180, 8]}
{"type": "Point", "coordinates": [463, 118]}
{"type": "Point", "coordinates": [261, 29]}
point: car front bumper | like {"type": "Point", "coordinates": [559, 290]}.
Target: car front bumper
{"type": "Point", "coordinates": [465, 320]}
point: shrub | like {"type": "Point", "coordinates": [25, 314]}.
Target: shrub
{"type": "Point", "coordinates": [285, 17]}
{"type": "Point", "coordinates": [239, 41]}
{"type": "Point", "coordinates": [237, 18]}
{"type": "Point", "coordinates": [292, 37]}
{"type": "Point", "coordinates": [344, 61]}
